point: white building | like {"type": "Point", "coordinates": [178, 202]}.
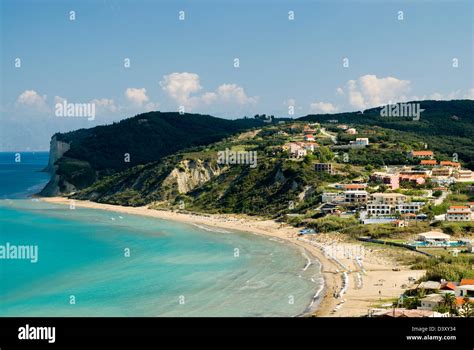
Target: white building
{"type": "Point", "coordinates": [465, 291]}
{"type": "Point", "coordinates": [470, 246]}
{"type": "Point", "coordinates": [379, 209]}
{"type": "Point", "coordinates": [433, 236]}
{"type": "Point", "coordinates": [411, 207]}
{"type": "Point", "coordinates": [362, 141]}
{"type": "Point", "coordinates": [387, 198]}
{"type": "Point", "coordinates": [335, 197]}
{"type": "Point", "coordinates": [354, 197]}
{"type": "Point", "coordinates": [431, 302]}
{"type": "Point", "coordinates": [296, 151]}
{"type": "Point", "coordinates": [459, 213]}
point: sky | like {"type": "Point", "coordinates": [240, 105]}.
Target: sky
{"type": "Point", "coordinates": [312, 56]}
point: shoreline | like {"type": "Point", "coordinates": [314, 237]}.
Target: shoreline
{"type": "Point", "coordinates": [333, 267]}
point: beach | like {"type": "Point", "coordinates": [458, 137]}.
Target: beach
{"type": "Point", "coordinates": [356, 278]}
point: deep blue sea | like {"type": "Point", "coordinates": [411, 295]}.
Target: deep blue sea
{"type": "Point", "coordinates": [83, 267]}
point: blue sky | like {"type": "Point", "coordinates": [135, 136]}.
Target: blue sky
{"type": "Point", "coordinates": [190, 63]}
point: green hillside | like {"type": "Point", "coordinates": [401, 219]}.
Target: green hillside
{"type": "Point", "coordinates": [104, 150]}
{"type": "Point", "coordinates": [446, 126]}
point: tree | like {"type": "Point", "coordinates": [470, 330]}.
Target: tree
{"type": "Point", "coordinates": [467, 309]}
{"type": "Point", "coordinates": [449, 301]}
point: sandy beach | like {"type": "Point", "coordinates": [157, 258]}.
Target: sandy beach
{"type": "Point", "coordinates": [356, 278]}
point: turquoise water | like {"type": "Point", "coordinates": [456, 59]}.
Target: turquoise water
{"type": "Point", "coordinates": [173, 269]}
{"type": "Point", "coordinates": [20, 173]}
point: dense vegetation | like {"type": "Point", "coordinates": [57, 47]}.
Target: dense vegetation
{"type": "Point", "coordinates": [145, 138]}
{"type": "Point", "coordinates": [446, 126]}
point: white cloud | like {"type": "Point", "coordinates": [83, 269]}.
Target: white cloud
{"type": "Point", "coordinates": [180, 86]}
{"type": "Point", "coordinates": [453, 95]}
{"type": "Point", "coordinates": [32, 100]}
{"type": "Point", "coordinates": [209, 98]}
{"type": "Point", "coordinates": [136, 96]}
{"type": "Point", "coordinates": [369, 91]}
{"type": "Point", "coordinates": [183, 88]}
{"type": "Point", "coordinates": [234, 93]}
{"type": "Point", "coordinates": [323, 107]}
{"type": "Point", "coordinates": [340, 91]}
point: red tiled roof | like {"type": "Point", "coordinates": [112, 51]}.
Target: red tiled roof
{"type": "Point", "coordinates": [354, 186]}
{"type": "Point", "coordinates": [449, 163]}
{"type": "Point", "coordinates": [467, 281]}
{"type": "Point", "coordinates": [449, 285]}
{"type": "Point", "coordinates": [428, 162]}
{"type": "Point", "coordinates": [422, 153]}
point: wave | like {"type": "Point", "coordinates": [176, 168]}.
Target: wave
{"type": "Point", "coordinates": [211, 229]}
{"type": "Point", "coordinates": [254, 285]}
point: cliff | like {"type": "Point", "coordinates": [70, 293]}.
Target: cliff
{"type": "Point", "coordinates": [56, 151]}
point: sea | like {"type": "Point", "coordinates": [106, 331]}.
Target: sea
{"type": "Point", "coordinates": [93, 263]}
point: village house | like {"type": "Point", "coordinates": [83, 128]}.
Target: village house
{"type": "Point", "coordinates": [355, 197]}
{"type": "Point", "coordinates": [324, 168]}
{"type": "Point", "coordinates": [361, 141]}
{"type": "Point", "coordinates": [433, 236]}
{"type": "Point", "coordinates": [463, 174]}
{"type": "Point", "coordinates": [391, 180]}
{"type": "Point", "coordinates": [388, 198]}
{"type": "Point", "coordinates": [415, 172]}
{"type": "Point", "coordinates": [431, 302]}
{"type": "Point", "coordinates": [448, 163]}
{"type": "Point", "coordinates": [309, 146]}
{"type": "Point", "coordinates": [448, 287]}
{"type": "Point", "coordinates": [459, 213]}
{"type": "Point", "coordinates": [441, 171]}
{"type": "Point", "coordinates": [354, 187]}
{"type": "Point", "coordinates": [415, 179]}
{"type": "Point", "coordinates": [429, 286]}
{"type": "Point", "coordinates": [422, 154]}
{"type": "Point", "coordinates": [332, 197]}
{"type": "Point", "coordinates": [401, 223]}
{"type": "Point", "coordinates": [351, 131]}
{"type": "Point", "coordinates": [465, 288]}
{"type": "Point", "coordinates": [330, 208]}
{"type": "Point", "coordinates": [410, 207]}
{"type": "Point", "coordinates": [470, 246]}
{"type": "Point", "coordinates": [391, 203]}
{"type": "Point", "coordinates": [295, 150]}
{"type": "Point", "coordinates": [428, 162]}
{"type": "Point", "coordinates": [380, 209]}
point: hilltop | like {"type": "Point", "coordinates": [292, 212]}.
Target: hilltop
{"type": "Point", "coordinates": [79, 158]}
{"type": "Point", "coordinates": [447, 126]}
